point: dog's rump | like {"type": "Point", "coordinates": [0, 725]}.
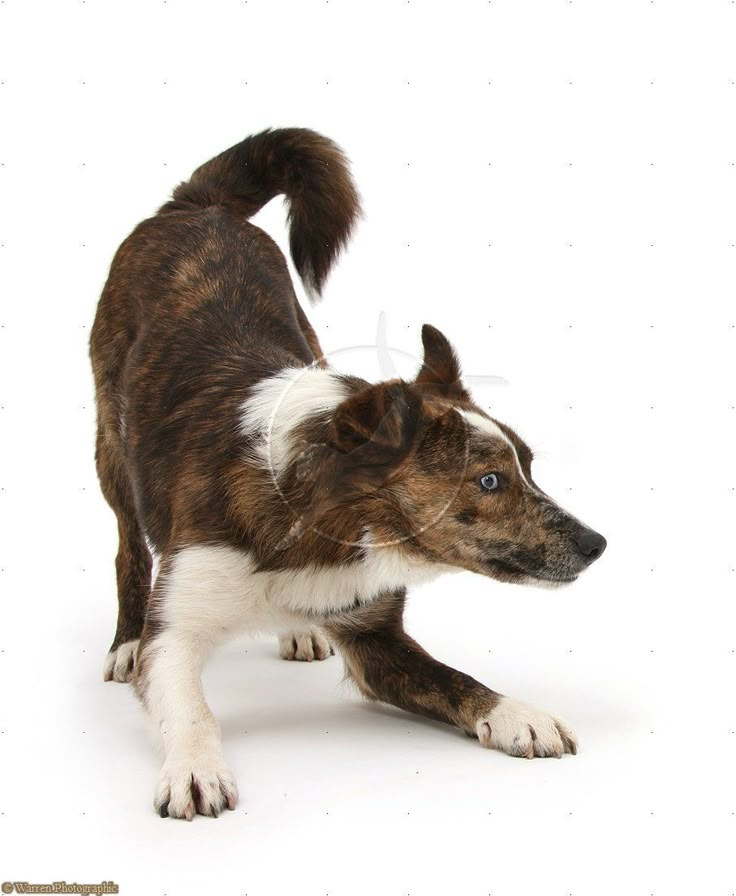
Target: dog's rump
{"type": "Point", "coordinates": [310, 170]}
{"type": "Point", "coordinates": [201, 250]}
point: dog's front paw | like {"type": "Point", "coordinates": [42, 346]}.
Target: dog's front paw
{"type": "Point", "coordinates": [120, 663]}
{"type": "Point", "coordinates": [521, 730]}
{"type": "Point", "coordinates": [201, 784]}
{"type": "Point", "coordinates": [307, 645]}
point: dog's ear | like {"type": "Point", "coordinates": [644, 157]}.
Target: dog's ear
{"type": "Point", "coordinates": [377, 425]}
{"type": "Point", "coordinates": [440, 373]}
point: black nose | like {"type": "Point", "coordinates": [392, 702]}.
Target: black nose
{"type": "Point", "coordinates": [590, 544]}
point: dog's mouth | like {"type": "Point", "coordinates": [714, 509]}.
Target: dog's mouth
{"type": "Point", "coordinates": [527, 573]}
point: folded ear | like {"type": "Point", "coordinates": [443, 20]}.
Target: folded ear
{"type": "Point", "coordinates": [440, 373]}
{"type": "Point", "coordinates": [377, 425]}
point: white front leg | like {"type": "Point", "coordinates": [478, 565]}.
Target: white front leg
{"type": "Point", "coordinates": [194, 777]}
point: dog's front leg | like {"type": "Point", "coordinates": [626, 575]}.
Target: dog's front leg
{"type": "Point", "coordinates": [390, 666]}
{"type": "Point", "coordinates": [180, 632]}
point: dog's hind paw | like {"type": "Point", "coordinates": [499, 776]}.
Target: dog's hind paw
{"type": "Point", "coordinates": [120, 662]}
{"type": "Point", "coordinates": [522, 730]}
{"type": "Point", "coordinates": [310, 644]}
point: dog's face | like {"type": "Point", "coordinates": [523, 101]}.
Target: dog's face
{"type": "Point", "coordinates": [451, 484]}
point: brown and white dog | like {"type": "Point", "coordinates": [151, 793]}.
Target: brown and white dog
{"type": "Point", "coordinates": [280, 495]}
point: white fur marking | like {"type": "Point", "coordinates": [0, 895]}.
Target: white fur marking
{"type": "Point", "coordinates": [491, 428]}
{"type": "Point", "coordinates": [279, 403]}
{"type": "Point", "coordinates": [214, 590]}
{"type": "Point", "coordinates": [484, 424]}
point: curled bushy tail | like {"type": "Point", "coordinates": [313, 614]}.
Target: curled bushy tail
{"type": "Point", "coordinates": [310, 170]}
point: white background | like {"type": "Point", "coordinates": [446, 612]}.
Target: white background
{"type": "Point", "coordinates": [552, 183]}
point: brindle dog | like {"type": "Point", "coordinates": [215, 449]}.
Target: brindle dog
{"type": "Point", "coordinates": [279, 494]}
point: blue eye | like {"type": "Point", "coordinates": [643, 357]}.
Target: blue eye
{"type": "Point", "coordinates": [490, 482]}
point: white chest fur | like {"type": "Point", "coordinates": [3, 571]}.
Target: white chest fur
{"type": "Point", "coordinates": [213, 588]}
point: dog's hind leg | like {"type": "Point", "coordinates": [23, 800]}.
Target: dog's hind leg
{"type": "Point", "coordinates": [133, 561]}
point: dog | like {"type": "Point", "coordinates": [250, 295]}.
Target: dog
{"type": "Point", "coordinates": [280, 495]}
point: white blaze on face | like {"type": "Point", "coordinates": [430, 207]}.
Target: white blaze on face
{"type": "Point", "coordinates": [491, 428]}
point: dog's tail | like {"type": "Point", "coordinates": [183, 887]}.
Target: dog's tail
{"type": "Point", "coordinates": [313, 174]}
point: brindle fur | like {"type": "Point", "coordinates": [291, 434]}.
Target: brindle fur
{"type": "Point", "coordinates": [388, 665]}
{"type": "Point", "coordinates": [199, 306]}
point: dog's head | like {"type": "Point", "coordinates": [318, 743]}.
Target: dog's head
{"type": "Point", "coordinates": [434, 472]}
